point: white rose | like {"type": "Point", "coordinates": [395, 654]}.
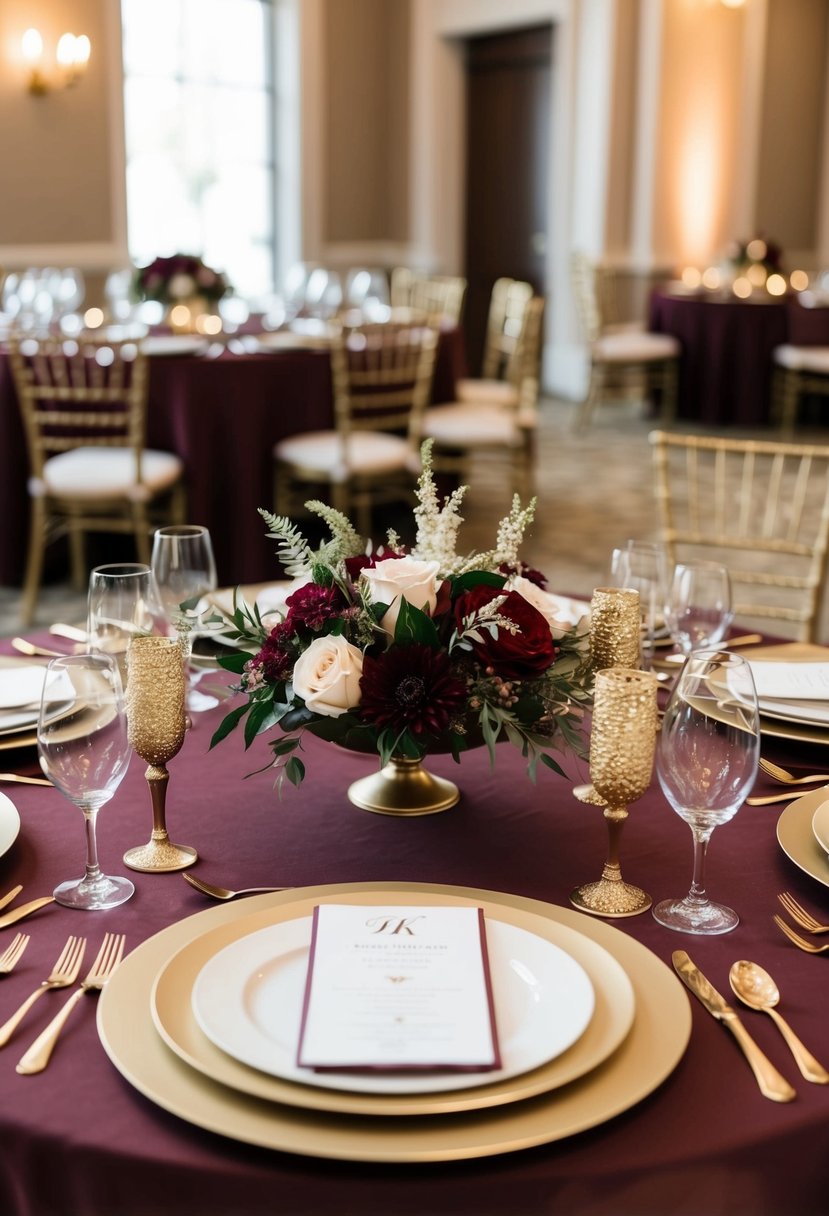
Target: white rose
{"type": "Point", "coordinates": [548, 605]}
{"type": "Point", "coordinates": [396, 577]}
{"type": "Point", "coordinates": [327, 676]}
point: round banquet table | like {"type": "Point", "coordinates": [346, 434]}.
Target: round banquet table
{"type": "Point", "coordinates": [79, 1139]}
{"type": "Point", "coordinates": [727, 347]}
{"type": "Point", "coordinates": [222, 416]}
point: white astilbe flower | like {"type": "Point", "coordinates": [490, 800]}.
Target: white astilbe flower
{"type": "Point", "coordinates": [437, 527]}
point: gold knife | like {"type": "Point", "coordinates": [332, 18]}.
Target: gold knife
{"type": "Point", "coordinates": [772, 1084]}
{"type": "Point", "coordinates": [11, 895]}
{"type": "Point", "coordinates": [16, 914]}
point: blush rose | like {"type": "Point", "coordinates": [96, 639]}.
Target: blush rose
{"type": "Point", "coordinates": [327, 676]}
{"type": "Point", "coordinates": [395, 578]}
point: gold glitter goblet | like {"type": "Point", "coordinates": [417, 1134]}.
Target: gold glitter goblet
{"type": "Point", "coordinates": [622, 745]}
{"type": "Point", "coordinates": [615, 641]}
{"type": "Point", "coordinates": [156, 728]}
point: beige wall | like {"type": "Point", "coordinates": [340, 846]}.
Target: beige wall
{"type": "Point", "coordinates": [55, 150]}
{"type": "Point", "coordinates": [793, 139]}
{"type": "Point", "coordinates": [58, 151]}
{"type": "Point", "coordinates": [366, 135]}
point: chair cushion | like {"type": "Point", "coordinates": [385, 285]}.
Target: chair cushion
{"type": "Point", "coordinates": [492, 392]}
{"type": "Point", "coordinates": [101, 472]}
{"type": "Point", "coordinates": [803, 358]}
{"type": "Point", "coordinates": [631, 347]}
{"type": "Point", "coordinates": [367, 453]}
{"type": "Point", "coordinates": [466, 425]}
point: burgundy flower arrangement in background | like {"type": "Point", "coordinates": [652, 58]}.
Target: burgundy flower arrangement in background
{"type": "Point", "coordinates": [180, 277]}
{"type": "Point", "coordinates": [406, 653]}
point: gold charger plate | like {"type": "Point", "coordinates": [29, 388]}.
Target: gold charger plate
{"type": "Point", "coordinates": [796, 838]}
{"type": "Point", "coordinates": [611, 1021]}
{"type": "Point", "coordinates": [648, 1054]}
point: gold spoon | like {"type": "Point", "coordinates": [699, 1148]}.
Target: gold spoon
{"type": "Point", "coordinates": [207, 888]}
{"type": "Point", "coordinates": [756, 989]}
{"type": "Point", "coordinates": [768, 799]}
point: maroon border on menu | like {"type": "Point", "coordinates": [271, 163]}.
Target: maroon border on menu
{"type": "Point", "coordinates": [402, 1068]}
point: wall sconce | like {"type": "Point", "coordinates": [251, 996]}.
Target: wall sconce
{"type": "Point", "coordinates": [71, 55]}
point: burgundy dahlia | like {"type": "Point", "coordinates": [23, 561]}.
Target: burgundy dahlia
{"type": "Point", "coordinates": [410, 687]}
{"type": "Point", "coordinates": [275, 657]}
{"type": "Point", "coordinates": [528, 572]}
{"type": "Point", "coordinates": [312, 605]}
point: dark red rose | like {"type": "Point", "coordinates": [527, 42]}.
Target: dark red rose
{"type": "Point", "coordinates": [513, 656]}
{"type": "Point", "coordinates": [353, 565]}
{"type": "Point", "coordinates": [276, 658]}
{"type": "Point", "coordinates": [527, 572]}
{"type": "Point", "coordinates": [410, 687]}
{"type": "Point", "coordinates": [312, 605]}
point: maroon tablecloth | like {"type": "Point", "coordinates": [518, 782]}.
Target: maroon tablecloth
{"type": "Point", "coordinates": [727, 347]}
{"type": "Point", "coordinates": [80, 1139]}
{"type": "Point", "coordinates": [223, 417]}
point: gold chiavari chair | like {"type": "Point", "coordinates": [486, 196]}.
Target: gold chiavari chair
{"type": "Point", "coordinates": [507, 427]}
{"type": "Point", "coordinates": [83, 403]}
{"type": "Point", "coordinates": [439, 298]}
{"type": "Point", "coordinates": [382, 376]}
{"type": "Point", "coordinates": [624, 361]}
{"type": "Point", "coordinates": [760, 508]}
{"type": "Point", "coordinates": [507, 306]}
{"type": "Point", "coordinates": [798, 370]}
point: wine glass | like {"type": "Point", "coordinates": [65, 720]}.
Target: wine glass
{"type": "Point", "coordinates": [706, 761]}
{"type": "Point", "coordinates": [643, 566]}
{"type": "Point", "coordinates": [122, 603]}
{"type": "Point", "coordinates": [185, 572]}
{"type": "Point", "coordinates": [698, 607]}
{"type": "Point", "coordinates": [84, 750]}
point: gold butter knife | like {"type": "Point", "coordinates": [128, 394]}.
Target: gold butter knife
{"type": "Point", "coordinates": [15, 891]}
{"type": "Point", "coordinates": [768, 799]}
{"type": "Point", "coordinates": [772, 1083]}
{"type": "Point", "coordinates": [16, 914]}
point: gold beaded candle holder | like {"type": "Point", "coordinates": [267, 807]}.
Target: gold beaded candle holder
{"type": "Point", "coordinates": [622, 744]}
{"type": "Point", "coordinates": [156, 685]}
{"type": "Point", "coordinates": [615, 641]}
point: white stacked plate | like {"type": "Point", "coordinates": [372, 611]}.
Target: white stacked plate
{"type": "Point", "coordinates": [590, 1022]}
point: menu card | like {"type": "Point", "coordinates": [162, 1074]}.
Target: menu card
{"type": "Point", "coordinates": [791, 681]}
{"type": "Point", "coordinates": [398, 988]}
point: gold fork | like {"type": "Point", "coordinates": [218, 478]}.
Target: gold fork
{"type": "Point", "coordinates": [783, 774]}
{"type": "Point", "coordinates": [64, 973]}
{"type": "Point", "coordinates": [13, 953]}
{"type": "Point", "coordinates": [798, 913]}
{"type": "Point", "coordinates": [108, 958]}
{"type": "Point", "coordinates": [799, 941]}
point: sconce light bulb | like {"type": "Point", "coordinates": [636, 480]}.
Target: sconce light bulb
{"type": "Point", "coordinates": [32, 47]}
{"type": "Point", "coordinates": [83, 50]}
{"type": "Point", "coordinates": [65, 51]}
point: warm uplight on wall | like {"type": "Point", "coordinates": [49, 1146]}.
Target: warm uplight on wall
{"type": "Point", "coordinates": [71, 57]}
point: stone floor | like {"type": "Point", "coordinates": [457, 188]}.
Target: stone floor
{"type": "Point", "coordinates": [594, 491]}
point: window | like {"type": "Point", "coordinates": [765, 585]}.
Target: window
{"type": "Point", "coordinates": [198, 111]}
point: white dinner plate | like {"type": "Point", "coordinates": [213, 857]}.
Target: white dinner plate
{"type": "Point", "coordinates": [797, 839]}
{"type": "Point", "coordinates": [173, 344]}
{"type": "Point", "coordinates": [248, 1001]}
{"type": "Point", "coordinates": [21, 686]}
{"type": "Point", "coordinates": [805, 713]}
{"type": "Point", "coordinates": [820, 825]}
{"type": "Point", "coordinates": [9, 824]}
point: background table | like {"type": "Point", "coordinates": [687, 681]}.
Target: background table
{"type": "Point", "coordinates": [222, 416]}
{"type": "Point", "coordinates": [727, 345]}
{"type": "Point", "coordinates": [79, 1139]}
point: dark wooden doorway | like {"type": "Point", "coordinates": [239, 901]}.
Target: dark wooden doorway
{"type": "Point", "coordinates": [507, 154]}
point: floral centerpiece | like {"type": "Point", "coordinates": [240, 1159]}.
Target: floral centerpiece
{"type": "Point", "coordinates": [176, 279]}
{"type": "Point", "coordinates": [403, 654]}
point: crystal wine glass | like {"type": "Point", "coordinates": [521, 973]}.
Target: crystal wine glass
{"type": "Point", "coordinates": [698, 608]}
{"type": "Point", "coordinates": [122, 603]}
{"type": "Point", "coordinates": [706, 761]}
{"type": "Point", "coordinates": [84, 750]}
{"type": "Point", "coordinates": [185, 572]}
